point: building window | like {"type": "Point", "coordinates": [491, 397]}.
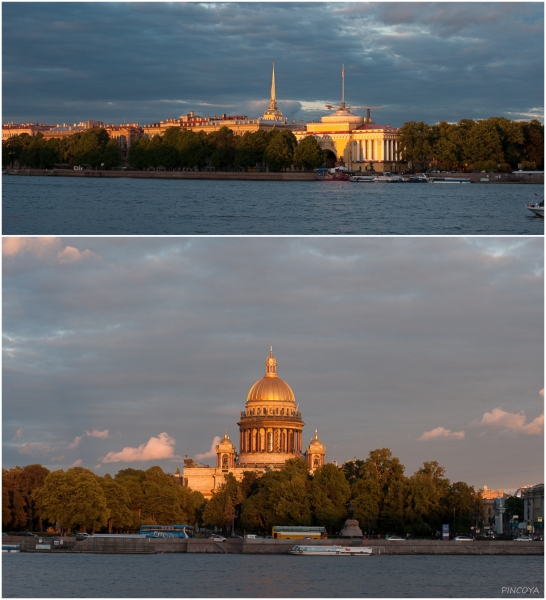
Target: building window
{"type": "Point", "coordinates": [282, 411]}
{"type": "Point", "coordinates": [259, 411]}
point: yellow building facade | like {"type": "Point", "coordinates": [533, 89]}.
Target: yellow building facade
{"type": "Point", "coordinates": [354, 141]}
{"type": "Point", "coordinates": [270, 433]}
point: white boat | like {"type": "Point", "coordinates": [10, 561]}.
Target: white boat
{"type": "Point", "coordinates": [388, 178]}
{"type": "Point", "coordinates": [362, 178]}
{"type": "Point", "coordinates": [449, 180]}
{"type": "Point", "coordinates": [537, 208]}
{"type": "Point", "coordinates": [11, 548]}
{"type": "Point", "coordinates": [330, 551]}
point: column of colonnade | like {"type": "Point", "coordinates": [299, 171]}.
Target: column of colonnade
{"type": "Point", "coordinates": [284, 440]}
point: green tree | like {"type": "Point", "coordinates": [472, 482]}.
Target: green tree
{"type": "Point", "coordinates": [220, 509]}
{"type": "Point", "coordinates": [118, 502]}
{"type": "Point", "coordinates": [308, 154]}
{"type": "Point", "coordinates": [279, 498]}
{"type": "Point", "coordinates": [160, 502]}
{"type": "Point", "coordinates": [192, 505]}
{"type": "Point", "coordinates": [279, 153]}
{"type": "Point", "coordinates": [330, 492]}
{"type": "Point", "coordinates": [20, 485]}
{"type": "Point", "coordinates": [111, 156]}
{"type": "Point", "coordinates": [74, 498]}
{"type": "Point", "coordinates": [250, 149]}
{"type": "Point", "coordinates": [222, 144]}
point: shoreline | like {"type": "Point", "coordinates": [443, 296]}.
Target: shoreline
{"type": "Point", "coordinates": [124, 545]}
{"type": "Point", "coordinates": [500, 178]}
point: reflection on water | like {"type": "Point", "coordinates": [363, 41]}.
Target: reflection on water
{"type": "Point", "coordinates": [55, 206]}
{"type": "Point", "coordinates": [260, 576]}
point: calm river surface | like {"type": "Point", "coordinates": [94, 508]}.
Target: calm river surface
{"type": "Point", "coordinates": [255, 576]}
{"type": "Point", "coordinates": [72, 206]}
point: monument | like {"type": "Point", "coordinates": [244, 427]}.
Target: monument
{"type": "Point", "coordinates": [351, 528]}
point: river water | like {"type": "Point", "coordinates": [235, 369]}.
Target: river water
{"type": "Point", "coordinates": [278, 576]}
{"type": "Point", "coordinates": [73, 206]}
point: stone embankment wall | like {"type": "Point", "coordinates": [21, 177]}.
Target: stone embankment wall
{"type": "Point", "coordinates": [288, 176]}
{"type": "Point", "coordinates": [244, 176]}
{"type": "Point", "coordinates": [244, 546]}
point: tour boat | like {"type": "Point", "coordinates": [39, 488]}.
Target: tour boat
{"type": "Point", "coordinates": [537, 208]}
{"type": "Point", "coordinates": [388, 178]}
{"type": "Point", "coordinates": [361, 178]}
{"type": "Point", "coordinates": [449, 180]}
{"type": "Point", "coordinates": [11, 548]}
{"type": "Point", "coordinates": [417, 179]}
{"type": "Point", "coordinates": [330, 551]}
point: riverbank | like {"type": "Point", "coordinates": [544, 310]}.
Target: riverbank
{"type": "Point", "coordinates": [511, 178]}
{"type": "Point", "coordinates": [127, 545]}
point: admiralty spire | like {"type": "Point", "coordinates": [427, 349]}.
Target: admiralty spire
{"type": "Point", "coordinates": [273, 113]}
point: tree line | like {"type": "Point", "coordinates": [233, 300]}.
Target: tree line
{"type": "Point", "coordinates": [496, 144]}
{"type": "Point", "coordinates": [91, 147]}
{"type": "Point", "coordinates": [33, 498]}
{"type": "Point", "coordinates": [384, 499]}
{"type": "Point", "coordinates": [276, 150]}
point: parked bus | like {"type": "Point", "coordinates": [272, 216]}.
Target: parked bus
{"type": "Point", "coordinates": [290, 532]}
{"type": "Point", "coordinates": [167, 531]}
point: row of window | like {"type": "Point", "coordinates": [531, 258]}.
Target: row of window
{"type": "Point", "coordinates": [271, 411]}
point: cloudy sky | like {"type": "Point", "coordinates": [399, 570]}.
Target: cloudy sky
{"type": "Point", "coordinates": [144, 62]}
{"type": "Point", "coordinates": [136, 352]}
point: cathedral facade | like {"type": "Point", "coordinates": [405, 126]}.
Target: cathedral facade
{"type": "Point", "coordinates": [270, 433]}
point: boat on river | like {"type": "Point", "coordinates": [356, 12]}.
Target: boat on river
{"type": "Point", "coordinates": [11, 548]}
{"type": "Point", "coordinates": [388, 178]}
{"type": "Point", "coordinates": [362, 178]}
{"type": "Point", "coordinates": [330, 551]}
{"type": "Point", "coordinates": [449, 180]}
{"type": "Point", "coordinates": [537, 208]}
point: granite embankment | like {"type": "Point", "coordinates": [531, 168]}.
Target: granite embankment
{"type": "Point", "coordinates": [536, 178]}
{"type": "Point", "coordinates": [126, 545]}
{"type": "Point", "coordinates": [205, 175]}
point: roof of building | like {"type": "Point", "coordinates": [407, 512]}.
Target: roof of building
{"type": "Point", "coordinates": [271, 386]}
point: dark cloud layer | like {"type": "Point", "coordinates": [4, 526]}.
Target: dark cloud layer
{"type": "Point", "coordinates": [65, 62]}
{"type": "Point", "coordinates": [381, 340]}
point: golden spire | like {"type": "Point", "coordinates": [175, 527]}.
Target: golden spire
{"type": "Point", "coordinates": [273, 99]}
{"type": "Point", "coordinates": [342, 86]}
{"type": "Point", "coordinates": [316, 434]}
{"type": "Point", "coordinates": [273, 113]}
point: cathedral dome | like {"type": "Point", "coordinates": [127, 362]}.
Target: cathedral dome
{"type": "Point", "coordinates": [316, 445]}
{"type": "Point", "coordinates": [271, 386]}
{"type": "Point", "coordinates": [225, 445]}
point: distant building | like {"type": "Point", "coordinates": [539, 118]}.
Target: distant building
{"type": "Point", "coordinates": [270, 433]}
{"type": "Point", "coordinates": [533, 498]}
{"type": "Point", "coordinates": [10, 130]}
{"type": "Point", "coordinates": [355, 141]}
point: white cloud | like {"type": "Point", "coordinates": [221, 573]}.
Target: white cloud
{"type": "Point", "coordinates": [501, 419]}
{"type": "Point", "coordinates": [77, 463]}
{"type": "Point", "coordinates": [36, 448]}
{"type": "Point", "coordinates": [98, 434]}
{"type": "Point", "coordinates": [45, 248]}
{"type": "Point", "coordinates": [76, 442]}
{"type": "Point", "coordinates": [95, 433]}
{"type": "Point", "coordinates": [441, 434]}
{"type": "Point", "coordinates": [212, 451]}
{"type": "Point", "coordinates": [18, 434]}
{"type": "Point", "coordinates": [156, 448]}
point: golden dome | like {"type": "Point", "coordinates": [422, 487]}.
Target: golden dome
{"type": "Point", "coordinates": [271, 386]}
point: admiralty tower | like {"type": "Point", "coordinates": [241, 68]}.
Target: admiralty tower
{"type": "Point", "coordinates": [271, 425]}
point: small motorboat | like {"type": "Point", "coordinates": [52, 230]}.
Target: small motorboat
{"type": "Point", "coordinates": [361, 178]}
{"type": "Point", "coordinates": [330, 551]}
{"type": "Point", "coordinates": [388, 178]}
{"type": "Point", "coordinates": [537, 208]}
